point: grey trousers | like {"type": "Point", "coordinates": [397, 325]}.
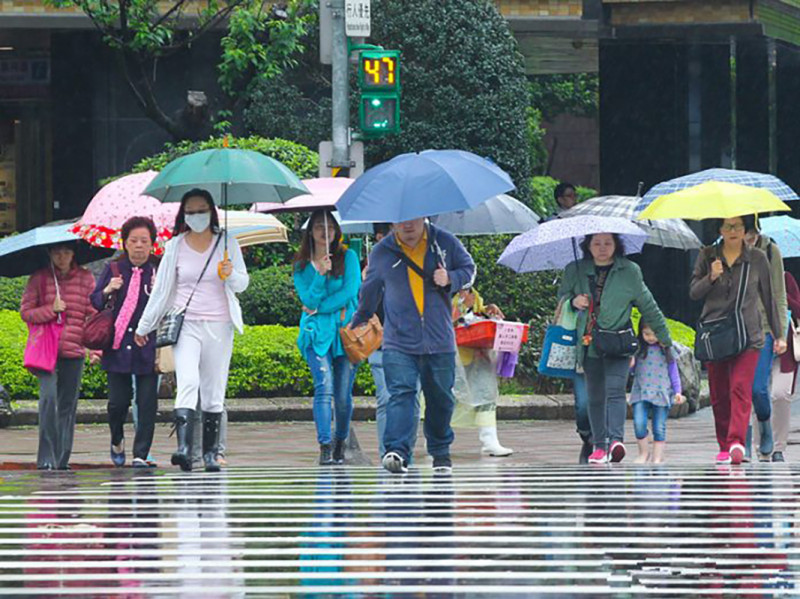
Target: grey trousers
{"type": "Point", "coordinates": [606, 379]}
{"type": "Point", "coordinates": [58, 402]}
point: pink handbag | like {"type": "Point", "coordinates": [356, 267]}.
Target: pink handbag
{"type": "Point", "coordinates": [41, 350]}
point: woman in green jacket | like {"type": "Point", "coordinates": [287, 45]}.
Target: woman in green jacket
{"type": "Point", "coordinates": [604, 287]}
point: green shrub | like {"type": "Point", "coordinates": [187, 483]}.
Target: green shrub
{"type": "Point", "coordinates": [265, 363]}
{"type": "Point", "coordinates": [300, 159]}
{"type": "Point", "coordinates": [11, 292]}
{"type": "Point", "coordinates": [270, 298]}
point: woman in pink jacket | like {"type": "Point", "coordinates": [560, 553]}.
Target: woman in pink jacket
{"type": "Point", "coordinates": [58, 390]}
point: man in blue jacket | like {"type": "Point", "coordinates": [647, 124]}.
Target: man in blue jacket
{"type": "Point", "coordinates": [416, 271]}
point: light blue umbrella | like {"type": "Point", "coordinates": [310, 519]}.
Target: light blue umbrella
{"type": "Point", "coordinates": [26, 253]}
{"type": "Point", "coordinates": [349, 227]}
{"type": "Point", "coordinates": [499, 215]}
{"type": "Point", "coordinates": [751, 179]}
{"type": "Point", "coordinates": [554, 244]}
{"type": "Point", "coordinates": [413, 186]}
{"type": "Point", "coordinates": [785, 231]}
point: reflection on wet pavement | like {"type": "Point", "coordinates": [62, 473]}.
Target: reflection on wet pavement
{"type": "Point", "coordinates": [539, 531]}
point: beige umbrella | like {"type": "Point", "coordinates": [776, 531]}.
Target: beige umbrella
{"type": "Point", "coordinates": [251, 228]}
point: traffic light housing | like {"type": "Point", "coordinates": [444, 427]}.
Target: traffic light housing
{"type": "Point", "coordinates": [379, 103]}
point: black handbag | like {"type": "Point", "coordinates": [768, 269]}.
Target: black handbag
{"type": "Point", "coordinates": [169, 329]}
{"type": "Point", "coordinates": [616, 344]}
{"type": "Point", "coordinates": [722, 338]}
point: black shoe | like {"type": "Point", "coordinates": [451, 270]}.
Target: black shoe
{"type": "Point", "coordinates": [325, 455]}
{"type": "Point", "coordinates": [442, 464]}
{"type": "Point", "coordinates": [183, 427]}
{"type": "Point", "coordinates": [777, 456]}
{"type": "Point", "coordinates": [211, 422]}
{"type": "Point", "coordinates": [338, 451]}
{"type": "Point", "coordinates": [586, 450]}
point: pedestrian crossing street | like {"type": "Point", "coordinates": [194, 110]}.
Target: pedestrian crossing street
{"type": "Point", "coordinates": [482, 531]}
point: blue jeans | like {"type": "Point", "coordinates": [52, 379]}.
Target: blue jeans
{"type": "Point", "coordinates": [382, 397]}
{"type": "Point", "coordinates": [641, 414]}
{"type": "Point", "coordinates": [333, 382]}
{"type": "Point", "coordinates": [762, 403]}
{"type": "Point", "coordinates": [582, 424]}
{"type": "Point", "coordinates": [436, 373]}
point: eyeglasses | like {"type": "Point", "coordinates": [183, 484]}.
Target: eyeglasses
{"type": "Point", "coordinates": [731, 228]}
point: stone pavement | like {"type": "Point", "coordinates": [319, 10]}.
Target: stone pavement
{"type": "Point", "coordinates": [690, 441]}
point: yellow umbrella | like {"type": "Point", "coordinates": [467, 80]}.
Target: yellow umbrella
{"type": "Point", "coordinates": [713, 199]}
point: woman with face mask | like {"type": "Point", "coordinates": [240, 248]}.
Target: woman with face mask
{"type": "Point", "coordinates": [59, 291]}
{"type": "Point", "coordinates": [195, 276]}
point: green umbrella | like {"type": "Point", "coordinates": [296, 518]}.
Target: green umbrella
{"type": "Point", "coordinates": [232, 176]}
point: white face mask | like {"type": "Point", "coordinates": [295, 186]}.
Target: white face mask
{"type": "Point", "coordinates": [198, 222]}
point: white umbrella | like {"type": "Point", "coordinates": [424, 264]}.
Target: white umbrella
{"type": "Point", "coordinates": [498, 215]}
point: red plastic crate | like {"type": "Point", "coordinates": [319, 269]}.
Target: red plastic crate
{"type": "Point", "coordinates": [481, 334]}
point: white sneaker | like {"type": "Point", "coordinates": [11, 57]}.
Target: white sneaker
{"type": "Point", "coordinates": [394, 463]}
{"type": "Point", "coordinates": [491, 446]}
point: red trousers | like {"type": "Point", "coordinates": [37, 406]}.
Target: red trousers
{"type": "Point", "coordinates": [731, 385]}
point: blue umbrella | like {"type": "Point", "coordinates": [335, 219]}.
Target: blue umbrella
{"type": "Point", "coordinates": [785, 231]}
{"type": "Point", "coordinates": [554, 244]}
{"type": "Point", "coordinates": [26, 253]}
{"type": "Point", "coordinates": [751, 179]}
{"type": "Point", "coordinates": [413, 186]}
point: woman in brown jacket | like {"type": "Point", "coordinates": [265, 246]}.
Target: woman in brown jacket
{"type": "Point", "coordinates": [58, 390]}
{"type": "Point", "coordinates": [717, 273]}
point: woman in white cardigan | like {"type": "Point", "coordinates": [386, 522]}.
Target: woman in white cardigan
{"type": "Point", "coordinates": [195, 274]}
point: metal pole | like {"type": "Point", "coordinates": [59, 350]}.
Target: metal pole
{"type": "Point", "coordinates": [772, 108]}
{"type": "Point", "coordinates": [340, 88]}
{"type": "Point", "coordinates": [733, 98]}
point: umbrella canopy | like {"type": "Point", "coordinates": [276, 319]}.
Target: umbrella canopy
{"type": "Point", "coordinates": [325, 192]}
{"type": "Point", "coordinates": [415, 185]}
{"type": "Point", "coordinates": [118, 201]}
{"type": "Point", "coordinates": [26, 253]}
{"type": "Point", "coordinates": [554, 244]}
{"type": "Point", "coordinates": [785, 231]}
{"type": "Point", "coordinates": [231, 176]}
{"type": "Point", "coordinates": [349, 227]}
{"type": "Point", "coordinates": [672, 233]}
{"type": "Point", "coordinates": [499, 215]}
{"type": "Point", "coordinates": [713, 199]}
{"type": "Point", "coordinates": [251, 229]}
{"type": "Point", "coordinates": [724, 175]}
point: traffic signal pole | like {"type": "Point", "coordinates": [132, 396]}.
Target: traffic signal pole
{"type": "Point", "coordinates": [340, 95]}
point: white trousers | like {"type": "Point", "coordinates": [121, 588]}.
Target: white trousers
{"type": "Point", "coordinates": [202, 358]}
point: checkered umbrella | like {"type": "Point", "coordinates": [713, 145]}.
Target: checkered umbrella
{"type": "Point", "coordinates": [672, 233]}
{"type": "Point", "coordinates": [748, 178]}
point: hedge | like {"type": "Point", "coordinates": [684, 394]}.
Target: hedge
{"type": "Point", "coordinates": [265, 363]}
{"type": "Point", "coordinates": [270, 298]}
{"type": "Point", "coordinates": [11, 292]}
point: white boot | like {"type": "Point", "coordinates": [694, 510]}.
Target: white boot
{"type": "Point", "coordinates": [488, 438]}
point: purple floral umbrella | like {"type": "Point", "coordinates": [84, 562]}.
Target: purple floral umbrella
{"type": "Point", "coordinates": [554, 244]}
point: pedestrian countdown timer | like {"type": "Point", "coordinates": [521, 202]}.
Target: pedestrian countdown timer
{"type": "Point", "coordinates": [379, 80]}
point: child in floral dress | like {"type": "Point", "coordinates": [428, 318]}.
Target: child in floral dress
{"type": "Point", "coordinates": [656, 385]}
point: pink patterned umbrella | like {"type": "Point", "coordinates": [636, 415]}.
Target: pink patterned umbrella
{"type": "Point", "coordinates": [324, 194]}
{"type": "Point", "coordinates": [118, 201]}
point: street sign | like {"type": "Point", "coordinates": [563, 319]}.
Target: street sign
{"type": "Point", "coordinates": [357, 18]}
{"type": "Point", "coordinates": [325, 32]}
{"type": "Point", "coordinates": [356, 159]}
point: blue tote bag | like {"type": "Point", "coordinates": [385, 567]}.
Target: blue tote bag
{"type": "Point", "coordinates": [559, 351]}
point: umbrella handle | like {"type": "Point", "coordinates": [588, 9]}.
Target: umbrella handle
{"type": "Point", "coordinates": [219, 266]}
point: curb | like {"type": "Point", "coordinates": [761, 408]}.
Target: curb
{"type": "Point", "coordinates": [298, 409]}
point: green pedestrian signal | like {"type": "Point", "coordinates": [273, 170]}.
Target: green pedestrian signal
{"type": "Point", "coordinates": [379, 104]}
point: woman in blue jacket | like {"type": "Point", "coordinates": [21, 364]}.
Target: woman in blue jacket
{"type": "Point", "coordinates": [327, 278]}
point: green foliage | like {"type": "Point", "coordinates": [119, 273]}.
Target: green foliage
{"type": "Point", "coordinates": [542, 201]}
{"type": "Point", "coordinates": [11, 291]}
{"type": "Point", "coordinates": [463, 79]}
{"type": "Point", "coordinates": [682, 333]}
{"type": "Point", "coordinates": [265, 363]}
{"type": "Point", "coordinates": [300, 159]}
{"type": "Point", "coordinates": [577, 94]}
{"type": "Point", "coordinates": [270, 298]}
{"type": "Point", "coordinates": [20, 383]}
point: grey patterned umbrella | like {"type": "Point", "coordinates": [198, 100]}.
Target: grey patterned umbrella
{"type": "Point", "coordinates": [671, 233]}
